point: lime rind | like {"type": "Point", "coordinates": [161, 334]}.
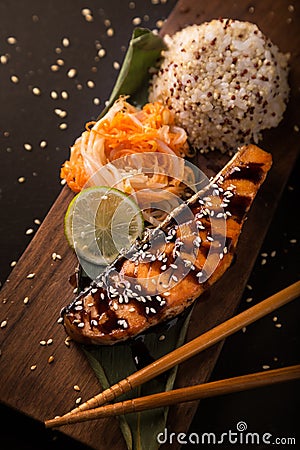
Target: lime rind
{"type": "Point", "coordinates": [100, 222]}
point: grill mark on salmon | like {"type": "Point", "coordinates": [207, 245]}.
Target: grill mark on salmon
{"type": "Point", "coordinates": [174, 264]}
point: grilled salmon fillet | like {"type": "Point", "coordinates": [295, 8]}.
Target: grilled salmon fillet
{"type": "Point", "coordinates": [172, 265]}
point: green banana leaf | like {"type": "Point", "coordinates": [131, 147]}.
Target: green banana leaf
{"type": "Point", "coordinates": [113, 363]}
{"type": "Point", "coordinates": [143, 52]}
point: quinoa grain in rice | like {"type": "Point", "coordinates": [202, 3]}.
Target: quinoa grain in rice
{"type": "Point", "coordinates": [225, 81]}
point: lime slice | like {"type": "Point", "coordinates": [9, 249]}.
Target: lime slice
{"type": "Point", "coordinates": [101, 222]}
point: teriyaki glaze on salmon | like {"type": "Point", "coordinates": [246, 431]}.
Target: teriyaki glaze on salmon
{"type": "Point", "coordinates": [173, 264]}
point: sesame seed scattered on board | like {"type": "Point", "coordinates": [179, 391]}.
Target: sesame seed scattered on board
{"type": "Point", "coordinates": [50, 359]}
{"type": "Point", "coordinates": [13, 263]}
{"type": "Point", "coordinates": [3, 323]}
{"type": "Point", "coordinates": [78, 400]}
{"type": "Point", "coordinates": [21, 179]}
{"type": "Point", "coordinates": [76, 387]}
{"type": "Point", "coordinates": [49, 341]}
{"type": "Point", "coordinates": [29, 231]}
{"type": "Point", "coordinates": [33, 367]}
{"type": "Point", "coordinates": [266, 367]}
{"type": "Point", "coordinates": [26, 300]}
{"type": "Point", "coordinates": [30, 275]}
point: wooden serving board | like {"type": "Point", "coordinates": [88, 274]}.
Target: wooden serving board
{"type": "Point", "coordinates": [48, 389]}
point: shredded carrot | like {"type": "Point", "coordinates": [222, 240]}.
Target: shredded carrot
{"type": "Point", "coordinates": [128, 131]}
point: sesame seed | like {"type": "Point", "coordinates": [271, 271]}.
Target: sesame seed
{"type": "Point", "coordinates": [13, 263]}
{"type": "Point", "coordinates": [72, 73]}
{"type": "Point", "coordinates": [76, 387]}
{"type": "Point", "coordinates": [263, 261]}
{"type": "Point", "coordinates": [249, 299]}
{"type": "Point", "coordinates": [265, 367]}
{"type": "Point", "coordinates": [3, 59]}
{"type": "Point", "coordinates": [36, 91]}
{"type": "Point", "coordinates": [29, 231]}
{"type": "Point", "coordinates": [110, 32]}
{"type": "Point", "coordinates": [78, 400]}
{"type": "Point", "coordinates": [50, 341]}
{"type": "Point", "coordinates": [60, 320]}
{"type": "Point", "coordinates": [28, 147]}
{"type": "Point", "coordinates": [67, 342]}
{"type": "Point", "coordinates": [96, 101]}
{"type": "Point", "coordinates": [80, 325]}
{"type": "Point", "coordinates": [60, 112]}
{"type": "Point", "coordinates": [3, 323]}
{"type": "Point", "coordinates": [244, 329]}
{"type": "Point", "coordinates": [14, 79]}
{"type": "Point", "coordinates": [26, 300]}
{"type": "Point", "coordinates": [101, 52]}
{"type": "Point", "coordinates": [32, 368]}
{"type": "Point", "coordinates": [293, 241]}
{"type": "Point", "coordinates": [136, 21]}
{"type": "Point", "coordinates": [162, 337]}
{"type": "Point", "coordinates": [11, 40]}
{"type": "Point", "coordinates": [50, 359]}
{"type": "Point", "coordinates": [21, 179]}
{"type": "Point", "coordinates": [278, 325]}
{"type": "Point", "coordinates": [64, 95]}
{"type": "Point", "coordinates": [296, 128]}
{"type": "Point", "coordinates": [43, 144]}
{"type": "Point", "coordinates": [54, 95]}
{"type": "Point", "coordinates": [86, 11]}
{"type": "Point", "coordinates": [63, 126]}
{"type": "Point", "coordinates": [43, 343]}
{"type": "Point", "coordinates": [54, 67]}
{"type": "Point", "coordinates": [291, 8]}
{"type": "Point", "coordinates": [90, 84]}
{"type": "Point", "coordinates": [65, 42]}
{"type": "Point", "coordinates": [30, 275]}
{"type": "Point", "coordinates": [116, 65]}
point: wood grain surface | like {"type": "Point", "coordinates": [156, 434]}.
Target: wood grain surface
{"type": "Point", "coordinates": [48, 389]}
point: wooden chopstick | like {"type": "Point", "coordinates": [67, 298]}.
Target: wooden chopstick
{"type": "Point", "coordinates": [212, 389]}
{"type": "Point", "coordinates": [193, 347]}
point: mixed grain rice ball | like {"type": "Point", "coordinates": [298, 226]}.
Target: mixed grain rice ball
{"type": "Point", "coordinates": [225, 81]}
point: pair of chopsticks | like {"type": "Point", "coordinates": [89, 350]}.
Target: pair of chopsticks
{"type": "Point", "coordinates": [91, 409]}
